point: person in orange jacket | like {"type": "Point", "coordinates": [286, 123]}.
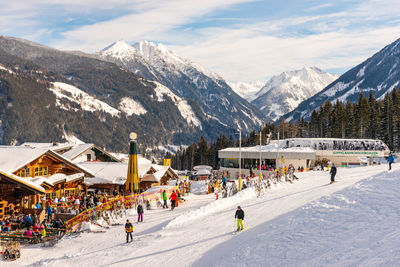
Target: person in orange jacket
{"type": "Point", "coordinates": [174, 198]}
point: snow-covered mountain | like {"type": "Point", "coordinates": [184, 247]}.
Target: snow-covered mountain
{"type": "Point", "coordinates": [247, 91]}
{"type": "Point", "coordinates": [284, 92]}
{"type": "Point", "coordinates": [101, 102]}
{"type": "Point", "coordinates": [218, 103]}
{"type": "Point", "coordinates": [378, 74]}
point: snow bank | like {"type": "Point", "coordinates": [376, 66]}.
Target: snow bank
{"type": "Point", "coordinates": [213, 207]}
{"type": "Point", "coordinates": [88, 226]}
{"type": "Point", "coordinates": [198, 187]}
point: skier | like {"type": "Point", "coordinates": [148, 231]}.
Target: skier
{"type": "Point", "coordinates": [333, 173]}
{"type": "Point", "coordinates": [140, 212]}
{"type": "Point", "coordinates": [128, 230]}
{"type": "Point", "coordinates": [224, 182]}
{"type": "Point", "coordinates": [164, 196]}
{"type": "Point", "coordinates": [239, 215]}
{"type": "Point", "coordinates": [391, 160]}
{"type": "Point", "coordinates": [174, 198]}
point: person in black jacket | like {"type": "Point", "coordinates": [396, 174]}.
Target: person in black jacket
{"type": "Point", "coordinates": [239, 215]}
{"type": "Point", "coordinates": [333, 173]}
{"type": "Point", "coordinates": [140, 212]}
{"type": "Point", "coordinates": [128, 230]}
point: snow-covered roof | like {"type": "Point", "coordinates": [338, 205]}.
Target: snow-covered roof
{"type": "Point", "coordinates": [203, 172]}
{"type": "Point", "coordinates": [161, 170]}
{"type": "Point", "coordinates": [199, 167]}
{"type": "Point", "coordinates": [55, 179]}
{"type": "Point", "coordinates": [13, 158]}
{"type": "Point", "coordinates": [48, 146]}
{"type": "Point", "coordinates": [26, 183]}
{"type": "Point", "coordinates": [113, 172]}
{"type": "Point", "coordinates": [77, 150]}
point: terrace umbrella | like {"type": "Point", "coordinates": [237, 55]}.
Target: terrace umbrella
{"type": "Point", "coordinates": [132, 179]}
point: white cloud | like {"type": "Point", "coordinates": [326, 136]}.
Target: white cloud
{"type": "Point", "coordinates": [251, 49]}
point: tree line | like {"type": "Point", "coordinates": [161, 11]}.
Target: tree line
{"type": "Point", "coordinates": [368, 118]}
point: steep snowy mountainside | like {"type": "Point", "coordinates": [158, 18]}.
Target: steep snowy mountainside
{"type": "Point", "coordinates": [247, 91]}
{"type": "Point", "coordinates": [378, 74]}
{"type": "Point", "coordinates": [284, 92]}
{"type": "Point", "coordinates": [186, 79]}
{"type": "Point", "coordinates": [94, 100]}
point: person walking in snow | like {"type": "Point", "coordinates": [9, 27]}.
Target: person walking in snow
{"type": "Point", "coordinates": [164, 197]}
{"type": "Point", "coordinates": [140, 212]}
{"type": "Point", "coordinates": [391, 160]}
{"type": "Point", "coordinates": [174, 198]}
{"type": "Point", "coordinates": [239, 215]}
{"type": "Point", "coordinates": [333, 173]}
{"type": "Point", "coordinates": [128, 230]}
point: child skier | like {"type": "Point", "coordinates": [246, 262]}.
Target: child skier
{"type": "Point", "coordinates": [239, 215]}
{"type": "Point", "coordinates": [128, 230]}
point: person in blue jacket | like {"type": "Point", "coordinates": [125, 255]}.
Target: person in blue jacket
{"type": "Point", "coordinates": [224, 182]}
{"type": "Point", "coordinates": [391, 160]}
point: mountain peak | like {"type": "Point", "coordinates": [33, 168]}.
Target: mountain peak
{"type": "Point", "coordinates": [118, 49]}
{"type": "Point", "coordinates": [289, 89]}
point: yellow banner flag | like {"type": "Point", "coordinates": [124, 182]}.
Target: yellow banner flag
{"type": "Point", "coordinates": [167, 162]}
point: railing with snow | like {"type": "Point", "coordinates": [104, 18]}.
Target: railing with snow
{"type": "Point", "coordinates": [123, 202]}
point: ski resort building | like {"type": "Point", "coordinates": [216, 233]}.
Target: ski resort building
{"type": "Point", "coordinates": [303, 153]}
{"type": "Point", "coordinates": [111, 176]}
{"type": "Point", "coordinates": [76, 152]}
{"type": "Point", "coordinates": [43, 169]}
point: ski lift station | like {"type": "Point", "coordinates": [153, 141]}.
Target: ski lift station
{"type": "Point", "coordinates": [302, 153]}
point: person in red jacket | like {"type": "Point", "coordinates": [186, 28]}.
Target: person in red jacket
{"type": "Point", "coordinates": [174, 198]}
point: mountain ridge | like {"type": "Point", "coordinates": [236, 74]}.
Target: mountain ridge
{"type": "Point", "coordinates": [284, 92]}
{"type": "Point", "coordinates": [378, 74]}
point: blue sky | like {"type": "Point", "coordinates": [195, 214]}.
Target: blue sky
{"type": "Point", "coordinates": [242, 40]}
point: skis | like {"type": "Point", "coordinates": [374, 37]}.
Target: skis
{"type": "Point", "coordinates": [237, 232]}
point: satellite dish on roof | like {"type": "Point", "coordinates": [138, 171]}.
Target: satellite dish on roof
{"type": "Point", "coordinates": [132, 136]}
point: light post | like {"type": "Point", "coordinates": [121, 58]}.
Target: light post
{"type": "Point", "coordinates": [240, 154]}
{"type": "Point", "coordinates": [260, 174]}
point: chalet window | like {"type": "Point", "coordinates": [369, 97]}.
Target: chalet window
{"type": "Point", "coordinates": [53, 195]}
{"type": "Point", "coordinates": [24, 172]}
{"type": "Point", "coordinates": [40, 171]}
{"type": "Point", "coordinates": [89, 157]}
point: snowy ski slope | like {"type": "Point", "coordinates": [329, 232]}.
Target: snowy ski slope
{"type": "Point", "coordinates": [308, 223]}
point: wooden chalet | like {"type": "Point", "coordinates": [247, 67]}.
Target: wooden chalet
{"type": "Point", "coordinates": [56, 174]}
{"type": "Point", "coordinates": [76, 152]}
{"type": "Point", "coordinates": [111, 176]}
{"type": "Point", "coordinates": [88, 152]}
{"type": "Point", "coordinates": [160, 176]}
{"type": "Point", "coordinates": [13, 191]}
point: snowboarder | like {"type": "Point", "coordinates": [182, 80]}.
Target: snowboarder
{"type": "Point", "coordinates": [333, 173]}
{"type": "Point", "coordinates": [239, 215]}
{"type": "Point", "coordinates": [140, 212]}
{"type": "Point", "coordinates": [128, 230]}
{"type": "Point", "coordinates": [391, 160]}
{"type": "Point", "coordinates": [164, 196]}
{"type": "Point", "coordinates": [174, 198]}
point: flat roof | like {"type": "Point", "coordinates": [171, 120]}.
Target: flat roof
{"type": "Point", "coordinates": [268, 152]}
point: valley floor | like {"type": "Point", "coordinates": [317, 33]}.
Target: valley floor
{"type": "Point", "coordinates": [308, 223]}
